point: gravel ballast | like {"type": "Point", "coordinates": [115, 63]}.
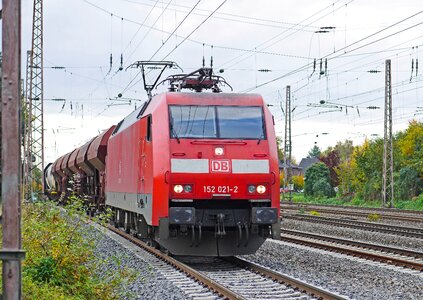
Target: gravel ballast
{"type": "Point", "coordinates": [355, 234]}
{"type": "Point", "coordinates": [349, 276]}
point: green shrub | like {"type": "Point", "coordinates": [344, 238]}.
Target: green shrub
{"type": "Point", "coordinates": [317, 181]}
{"type": "Point", "coordinates": [408, 183]}
{"type": "Point", "coordinates": [60, 262]}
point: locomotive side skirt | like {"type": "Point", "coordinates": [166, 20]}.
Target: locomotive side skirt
{"type": "Point", "coordinates": [138, 203]}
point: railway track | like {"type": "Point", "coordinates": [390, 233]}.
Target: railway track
{"type": "Point", "coordinates": [375, 209]}
{"type": "Point", "coordinates": [408, 218]}
{"type": "Point", "coordinates": [234, 278]}
{"type": "Point", "coordinates": [391, 229]}
{"type": "Point", "coordinates": [395, 256]}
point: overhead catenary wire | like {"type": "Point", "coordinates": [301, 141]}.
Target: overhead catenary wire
{"type": "Point", "coordinates": [294, 27]}
{"type": "Point", "coordinates": [177, 27]}
{"type": "Point", "coordinates": [219, 14]}
{"type": "Point", "coordinates": [329, 56]}
{"type": "Point", "coordinates": [217, 46]}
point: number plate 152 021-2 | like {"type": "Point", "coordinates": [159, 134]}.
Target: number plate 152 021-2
{"type": "Point", "coordinates": [220, 189]}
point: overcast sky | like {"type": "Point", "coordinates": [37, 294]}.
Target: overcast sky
{"type": "Point", "coordinates": [261, 47]}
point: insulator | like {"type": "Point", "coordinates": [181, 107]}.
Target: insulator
{"type": "Point", "coordinates": [417, 66]}
{"type": "Point", "coordinates": [412, 68]}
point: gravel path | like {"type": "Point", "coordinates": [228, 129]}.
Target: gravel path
{"type": "Point", "coordinates": [353, 277]}
{"type": "Point", "coordinates": [355, 234]}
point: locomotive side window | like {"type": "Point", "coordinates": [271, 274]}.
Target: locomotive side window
{"type": "Point", "coordinates": [148, 135]}
{"type": "Point", "coordinates": [223, 122]}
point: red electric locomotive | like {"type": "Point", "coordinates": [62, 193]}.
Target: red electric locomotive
{"type": "Point", "coordinates": [196, 173]}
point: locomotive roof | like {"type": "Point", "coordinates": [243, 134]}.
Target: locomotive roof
{"type": "Point", "coordinates": [185, 98]}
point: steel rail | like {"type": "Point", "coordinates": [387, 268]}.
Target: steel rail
{"type": "Point", "coordinates": [379, 209]}
{"type": "Point", "coordinates": [360, 214]}
{"type": "Point", "coordinates": [287, 280]}
{"type": "Point", "coordinates": [357, 253]}
{"type": "Point", "coordinates": [398, 230]}
{"type": "Point", "coordinates": [393, 250]}
{"type": "Point", "coordinates": [212, 285]}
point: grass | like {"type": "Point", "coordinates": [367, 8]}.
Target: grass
{"type": "Point", "coordinates": [414, 204]}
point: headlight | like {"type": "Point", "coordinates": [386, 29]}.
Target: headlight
{"type": "Point", "coordinates": [178, 188]}
{"type": "Point", "coordinates": [187, 188]}
{"type": "Point", "coordinates": [218, 151]}
{"type": "Point", "coordinates": [261, 189]}
{"type": "Point", "coordinates": [251, 189]}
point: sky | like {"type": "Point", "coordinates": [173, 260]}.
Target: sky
{"type": "Point", "coordinates": [324, 50]}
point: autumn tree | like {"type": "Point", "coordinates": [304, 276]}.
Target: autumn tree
{"type": "Point", "coordinates": [409, 178]}
{"type": "Point", "coordinates": [368, 163]}
{"type": "Point", "coordinates": [345, 150]}
{"type": "Point", "coordinates": [331, 159]}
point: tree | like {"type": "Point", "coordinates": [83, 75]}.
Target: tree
{"type": "Point", "coordinates": [280, 148]}
{"type": "Point", "coordinates": [368, 163]}
{"type": "Point", "coordinates": [331, 160]}
{"type": "Point", "coordinates": [314, 152]}
{"type": "Point", "coordinates": [345, 173]}
{"type": "Point", "coordinates": [408, 184]}
{"type": "Point", "coordinates": [410, 144]}
{"type": "Point", "coordinates": [317, 181]}
{"type": "Point", "coordinates": [345, 150]}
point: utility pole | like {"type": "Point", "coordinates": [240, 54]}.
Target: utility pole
{"type": "Point", "coordinates": [388, 158]}
{"type": "Point", "coordinates": [287, 147]}
{"type": "Point", "coordinates": [11, 253]}
{"type": "Point", "coordinates": [35, 122]}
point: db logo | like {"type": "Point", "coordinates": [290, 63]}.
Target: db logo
{"type": "Point", "coordinates": [221, 166]}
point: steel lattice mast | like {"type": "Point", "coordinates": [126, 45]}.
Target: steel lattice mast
{"type": "Point", "coordinates": [287, 147]}
{"type": "Point", "coordinates": [35, 122]}
{"type": "Point", "coordinates": [27, 162]}
{"type": "Point", "coordinates": [388, 158]}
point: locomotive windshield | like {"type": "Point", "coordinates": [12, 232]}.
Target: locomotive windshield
{"type": "Point", "coordinates": [211, 122]}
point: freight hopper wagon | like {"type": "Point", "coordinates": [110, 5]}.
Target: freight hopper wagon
{"type": "Point", "coordinates": [81, 171]}
{"type": "Point", "coordinates": [197, 173]}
